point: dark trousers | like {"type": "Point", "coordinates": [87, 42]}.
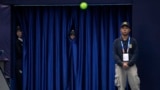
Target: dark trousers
{"type": "Point", "coordinates": [19, 81]}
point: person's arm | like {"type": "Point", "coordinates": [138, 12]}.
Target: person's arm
{"type": "Point", "coordinates": [116, 57]}
{"type": "Point", "coordinates": [18, 50]}
{"type": "Point", "coordinates": [135, 52]}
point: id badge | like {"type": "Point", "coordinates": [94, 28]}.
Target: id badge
{"type": "Point", "coordinates": [125, 57]}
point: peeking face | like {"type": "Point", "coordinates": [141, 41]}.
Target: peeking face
{"type": "Point", "coordinates": [72, 36]}
{"type": "Point", "coordinates": [19, 34]}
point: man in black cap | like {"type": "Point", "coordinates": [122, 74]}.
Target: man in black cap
{"type": "Point", "coordinates": [72, 34]}
{"type": "Point", "coordinates": [125, 56]}
{"type": "Point", "coordinates": [19, 50]}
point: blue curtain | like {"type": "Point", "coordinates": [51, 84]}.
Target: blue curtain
{"type": "Point", "coordinates": [52, 61]}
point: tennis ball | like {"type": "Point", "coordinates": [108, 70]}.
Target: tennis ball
{"type": "Point", "coordinates": [83, 5]}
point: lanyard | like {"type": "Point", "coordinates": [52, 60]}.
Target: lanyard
{"type": "Point", "coordinates": [127, 46]}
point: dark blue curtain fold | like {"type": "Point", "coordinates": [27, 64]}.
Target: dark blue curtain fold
{"type": "Point", "coordinates": [52, 61]}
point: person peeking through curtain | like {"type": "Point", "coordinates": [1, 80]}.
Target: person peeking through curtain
{"type": "Point", "coordinates": [19, 48]}
{"type": "Point", "coordinates": [125, 56]}
{"type": "Point", "coordinates": [73, 60]}
{"type": "Point", "coordinates": [72, 35]}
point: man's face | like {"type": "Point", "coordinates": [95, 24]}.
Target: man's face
{"type": "Point", "coordinates": [19, 34]}
{"type": "Point", "coordinates": [125, 30]}
{"type": "Point", "coordinates": [72, 36]}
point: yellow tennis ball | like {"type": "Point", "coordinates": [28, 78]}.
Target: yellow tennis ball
{"type": "Point", "coordinates": [83, 5]}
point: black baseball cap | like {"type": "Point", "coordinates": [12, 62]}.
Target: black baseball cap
{"type": "Point", "coordinates": [72, 32]}
{"type": "Point", "coordinates": [125, 24]}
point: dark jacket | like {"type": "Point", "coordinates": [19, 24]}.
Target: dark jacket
{"type": "Point", "coordinates": [118, 54]}
{"type": "Point", "coordinates": [19, 47]}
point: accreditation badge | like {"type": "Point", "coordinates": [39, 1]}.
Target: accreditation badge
{"type": "Point", "coordinates": [125, 57]}
{"type": "Point", "coordinates": [130, 45]}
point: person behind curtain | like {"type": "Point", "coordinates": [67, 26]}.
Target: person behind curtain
{"type": "Point", "coordinates": [72, 35]}
{"type": "Point", "coordinates": [72, 48]}
{"type": "Point", "coordinates": [19, 47]}
{"type": "Point", "coordinates": [125, 56]}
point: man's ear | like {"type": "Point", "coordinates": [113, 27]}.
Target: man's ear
{"type": "Point", "coordinates": [129, 30]}
{"type": "Point", "coordinates": [120, 29]}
